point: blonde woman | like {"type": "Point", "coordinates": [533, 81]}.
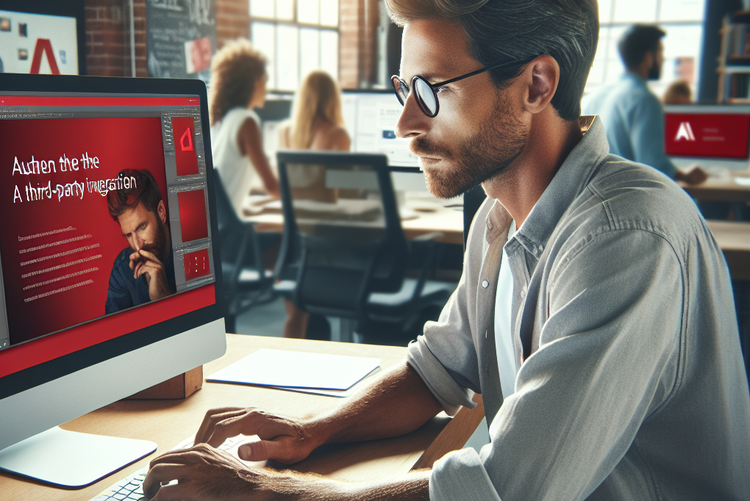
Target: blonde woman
{"type": "Point", "coordinates": [317, 123]}
{"type": "Point", "coordinates": [238, 85]}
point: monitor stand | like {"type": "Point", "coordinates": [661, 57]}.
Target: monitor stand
{"type": "Point", "coordinates": [71, 459]}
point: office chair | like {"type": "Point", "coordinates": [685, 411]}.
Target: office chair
{"type": "Point", "coordinates": [246, 282]}
{"type": "Point", "coordinates": [344, 253]}
{"type": "Point", "coordinates": [473, 199]}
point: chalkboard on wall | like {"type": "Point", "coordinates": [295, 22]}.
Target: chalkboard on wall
{"type": "Point", "coordinates": [181, 37]}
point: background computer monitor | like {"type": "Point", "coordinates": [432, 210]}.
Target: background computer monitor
{"type": "Point", "coordinates": [42, 36]}
{"type": "Point", "coordinates": [371, 118]}
{"type": "Point", "coordinates": [707, 135]}
{"type": "Point", "coordinates": [64, 141]}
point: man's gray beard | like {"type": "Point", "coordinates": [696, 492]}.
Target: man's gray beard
{"type": "Point", "coordinates": [483, 156]}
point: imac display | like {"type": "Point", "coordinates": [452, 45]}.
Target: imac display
{"type": "Point", "coordinates": [108, 267]}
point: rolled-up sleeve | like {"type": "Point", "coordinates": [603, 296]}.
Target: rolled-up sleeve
{"type": "Point", "coordinates": [604, 363]}
{"type": "Point", "coordinates": [445, 356]}
{"type": "Point", "coordinates": [439, 381]}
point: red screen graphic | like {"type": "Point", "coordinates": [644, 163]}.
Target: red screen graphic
{"type": "Point", "coordinates": [196, 264]}
{"type": "Point", "coordinates": [193, 220]}
{"type": "Point", "coordinates": [51, 347]}
{"type": "Point", "coordinates": [59, 241]}
{"type": "Point", "coordinates": [183, 130]}
{"type": "Point", "coordinates": [706, 135]}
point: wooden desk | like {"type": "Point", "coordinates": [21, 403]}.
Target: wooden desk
{"type": "Point", "coordinates": [169, 422]}
{"type": "Point", "coordinates": [734, 240]}
{"type": "Point", "coordinates": [447, 221]}
{"type": "Point", "coordinates": [720, 189]}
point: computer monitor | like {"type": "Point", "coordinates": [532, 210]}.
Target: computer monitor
{"type": "Point", "coordinates": [42, 36]}
{"type": "Point", "coordinates": [707, 135]}
{"type": "Point", "coordinates": [77, 330]}
{"type": "Point", "coordinates": [371, 118]}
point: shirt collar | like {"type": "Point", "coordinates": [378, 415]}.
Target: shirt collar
{"type": "Point", "coordinates": [635, 78]}
{"type": "Point", "coordinates": [569, 181]}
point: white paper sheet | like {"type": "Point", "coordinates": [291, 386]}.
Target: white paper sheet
{"type": "Point", "coordinates": [297, 370]}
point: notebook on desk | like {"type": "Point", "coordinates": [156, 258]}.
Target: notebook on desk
{"type": "Point", "coordinates": [295, 370]}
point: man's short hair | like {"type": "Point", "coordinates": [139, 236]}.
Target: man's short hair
{"type": "Point", "coordinates": [636, 42]}
{"type": "Point", "coordinates": [520, 30]}
{"type": "Point", "coordinates": [144, 191]}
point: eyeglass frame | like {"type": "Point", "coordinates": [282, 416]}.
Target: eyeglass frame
{"type": "Point", "coordinates": [420, 101]}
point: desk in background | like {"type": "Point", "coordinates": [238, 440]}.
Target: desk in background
{"type": "Point", "coordinates": [723, 189]}
{"type": "Point", "coordinates": [421, 218]}
{"type": "Point", "coordinates": [168, 422]}
{"type": "Point", "coordinates": [734, 240]}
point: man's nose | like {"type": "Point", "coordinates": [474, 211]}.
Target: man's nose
{"type": "Point", "coordinates": [136, 242]}
{"type": "Point", "coordinates": [412, 121]}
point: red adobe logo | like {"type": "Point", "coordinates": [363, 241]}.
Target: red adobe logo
{"type": "Point", "coordinates": [43, 45]}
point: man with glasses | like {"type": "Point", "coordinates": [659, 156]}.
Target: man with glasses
{"type": "Point", "coordinates": [594, 313]}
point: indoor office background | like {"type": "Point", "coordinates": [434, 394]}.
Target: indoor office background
{"type": "Point", "coordinates": [355, 42]}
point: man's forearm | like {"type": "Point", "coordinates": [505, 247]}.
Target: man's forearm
{"type": "Point", "coordinates": [411, 487]}
{"type": "Point", "coordinates": [292, 486]}
{"type": "Point", "coordinates": [398, 403]}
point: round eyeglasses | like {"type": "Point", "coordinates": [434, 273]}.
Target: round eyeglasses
{"type": "Point", "coordinates": [426, 93]}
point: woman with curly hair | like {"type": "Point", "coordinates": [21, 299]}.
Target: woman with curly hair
{"type": "Point", "coordinates": [238, 84]}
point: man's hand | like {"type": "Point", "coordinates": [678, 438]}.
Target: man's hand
{"type": "Point", "coordinates": [205, 474]}
{"type": "Point", "coordinates": [695, 176]}
{"type": "Point", "coordinates": [281, 438]}
{"type": "Point", "coordinates": [143, 262]}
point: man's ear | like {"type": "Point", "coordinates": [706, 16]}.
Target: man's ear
{"type": "Point", "coordinates": [161, 209]}
{"type": "Point", "coordinates": [648, 58]}
{"type": "Point", "coordinates": [541, 76]}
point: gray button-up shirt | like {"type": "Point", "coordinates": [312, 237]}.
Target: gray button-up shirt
{"type": "Point", "coordinates": [632, 385]}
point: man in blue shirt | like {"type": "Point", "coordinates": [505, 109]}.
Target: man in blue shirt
{"type": "Point", "coordinates": [143, 271]}
{"type": "Point", "coordinates": [632, 115]}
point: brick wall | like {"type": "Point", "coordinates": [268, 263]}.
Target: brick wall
{"type": "Point", "coordinates": [232, 20]}
{"type": "Point", "coordinates": [108, 36]}
{"type": "Point", "coordinates": [105, 37]}
{"type": "Point", "coordinates": [141, 50]}
{"type": "Point", "coordinates": [358, 21]}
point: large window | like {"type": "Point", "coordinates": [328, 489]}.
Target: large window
{"type": "Point", "coordinates": [681, 19]}
{"type": "Point", "coordinates": [296, 36]}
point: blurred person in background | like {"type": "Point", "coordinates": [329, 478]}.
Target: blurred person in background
{"type": "Point", "coordinates": [238, 85]}
{"type": "Point", "coordinates": [317, 123]}
{"type": "Point", "coordinates": [678, 92]}
{"type": "Point", "coordinates": [632, 115]}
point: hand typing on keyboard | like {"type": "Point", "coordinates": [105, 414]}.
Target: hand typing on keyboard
{"type": "Point", "coordinates": [280, 438]}
{"type": "Point", "coordinates": [205, 473]}
{"type": "Point", "coordinates": [201, 472]}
